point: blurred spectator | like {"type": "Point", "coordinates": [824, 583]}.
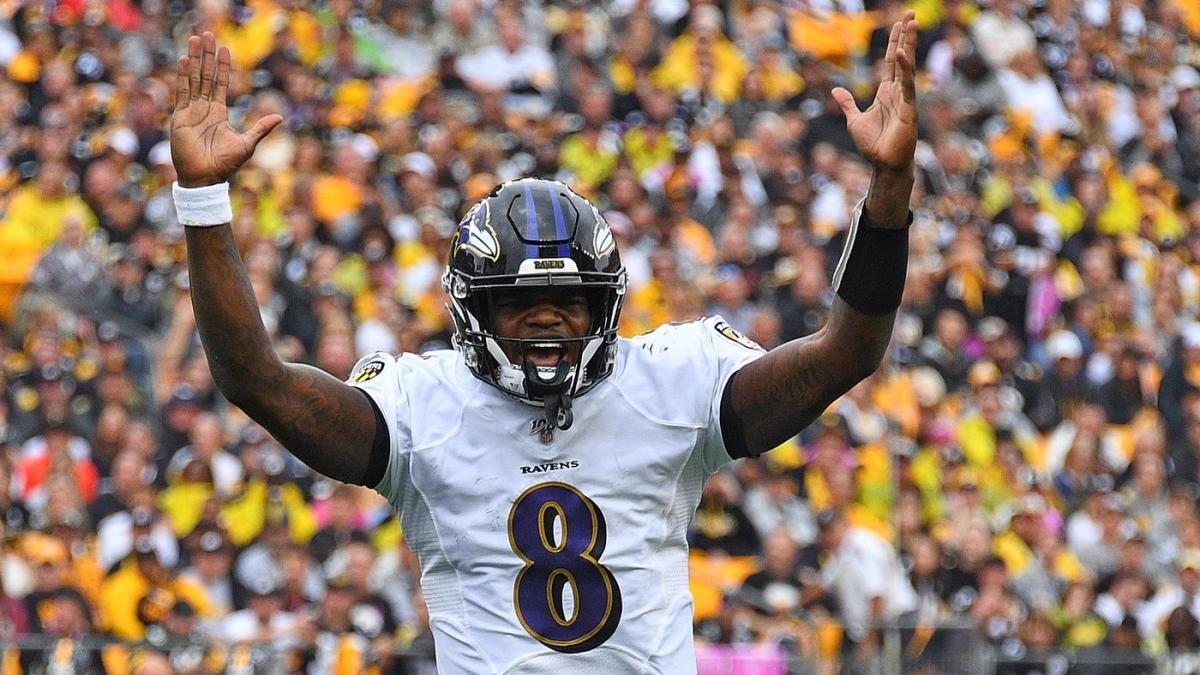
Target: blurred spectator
{"type": "Point", "coordinates": [142, 592]}
{"type": "Point", "coordinates": [118, 492]}
{"type": "Point", "coordinates": [721, 525]}
{"type": "Point", "coordinates": [343, 524]}
{"type": "Point", "coordinates": [864, 575]}
{"type": "Point", "coordinates": [56, 452]}
{"type": "Point", "coordinates": [118, 533]}
{"type": "Point", "coordinates": [942, 350]}
{"type": "Point", "coordinates": [514, 65]}
{"type": "Point", "coordinates": [774, 503]}
{"type": "Point", "coordinates": [1125, 394]}
{"type": "Point", "coordinates": [211, 564]}
{"type": "Point", "coordinates": [72, 268]}
{"type": "Point", "coordinates": [49, 560]}
{"type": "Point", "coordinates": [263, 620]}
{"type": "Point", "coordinates": [702, 60]}
{"type": "Point", "coordinates": [1064, 384]}
{"type": "Point", "coordinates": [207, 446]}
{"type": "Point", "coordinates": [130, 298]}
{"type": "Point", "coordinates": [791, 568]}
{"type": "Point", "coordinates": [1001, 32]}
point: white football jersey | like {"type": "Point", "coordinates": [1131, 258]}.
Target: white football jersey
{"type": "Point", "coordinates": [561, 552]}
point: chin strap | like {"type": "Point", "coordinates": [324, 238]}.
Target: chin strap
{"type": "Point", "coordinates": [557, 404]}
{"type": "Point", "coordinates": [558, 411]}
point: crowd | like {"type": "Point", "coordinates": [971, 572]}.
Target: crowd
{"type": "Point", "coordinates": [1026, 462]}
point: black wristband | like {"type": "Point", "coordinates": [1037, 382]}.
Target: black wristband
{"type": "Point", "coordinates": [870, 275]}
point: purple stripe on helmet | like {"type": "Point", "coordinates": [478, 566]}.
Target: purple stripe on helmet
{"type": "Point", "coordinates": [531, 225]}
{"type": "Point", "coordinates": [560, 225]}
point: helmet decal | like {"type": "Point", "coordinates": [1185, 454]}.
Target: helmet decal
{"type": "Point", "coordinates": [550, 265]}
{"type": "Point", "coordinates": [476, 235]}
{"type": "Point", "coordinates": [602, 239]}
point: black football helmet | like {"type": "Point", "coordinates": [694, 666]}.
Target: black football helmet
{"type": "Point", "coordinates": [526, 233]}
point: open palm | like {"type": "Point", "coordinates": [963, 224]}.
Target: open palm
{"type": "Point", "coordinates": [206, 150]}
{"type": "Point", "coordinates": [886, 132]}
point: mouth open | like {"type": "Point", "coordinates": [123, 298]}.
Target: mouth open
{"type": "Point", "coordinates": [545, 354]}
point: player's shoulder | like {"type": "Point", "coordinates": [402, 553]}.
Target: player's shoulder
{"type": "Point", "coordinates": [667, 336]}
{"type": "Point", "coordinates": [417, 389]}
{"type": "Point", "coordinates": [412, 373]}
{"type": "Point", "coordinates": [671, 373]}
{"type": "Point", "coordinates": [685, 338]}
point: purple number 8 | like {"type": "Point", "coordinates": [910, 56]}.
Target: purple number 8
{"type": "Point", "coordinates": [552, 564]}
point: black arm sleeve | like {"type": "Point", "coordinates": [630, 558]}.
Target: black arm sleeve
{"type": "Point", "coordinates": [870, 275]}
{"type": "Point", "coordinates": [731, 424]}
{"type": "Point", "coordinates": [380, 449]}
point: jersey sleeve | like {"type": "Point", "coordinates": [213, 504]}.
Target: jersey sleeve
{"type": "Point", "coordinates": [727, 351]}
{"type": "Point", "coordinates": [378, 376]}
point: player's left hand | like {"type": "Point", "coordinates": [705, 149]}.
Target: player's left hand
{"type": "Point", "coordinates": [886, 132]}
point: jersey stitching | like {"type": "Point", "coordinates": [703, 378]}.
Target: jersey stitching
{"type": "Point", "coordinates": [676, 604]}
{"type": "Point", "coordinates": [437, 530]}
{"type": "Point", "coordinates": [637, 408]}
{"type": "Point", "coordinates": [713, 395]}
{"type": "Point", "coordinates": [394, 444]}
{"type": "Point", "coordinates": [701, 442]}
{"type": "Point", "coordinates": [720, 436]}
{"type": "Point", "coordinates": [441, 440]}
{"type": "Point", "coordinates": [718, 388]}
{"type": "Point", "coordinates": [466, 622]}
{"type": "Point", "coordinates": [662, 630]}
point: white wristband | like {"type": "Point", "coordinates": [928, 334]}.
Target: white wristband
{"type": "Point", "coordinates": [203, 206]}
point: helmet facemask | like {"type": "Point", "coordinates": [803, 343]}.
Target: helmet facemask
{"type": "Point", "coordinates": [526, 234]}
{"type": "Point", "coordinates": [505, 362]}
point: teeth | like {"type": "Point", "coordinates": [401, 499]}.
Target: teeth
{"type": "Point", "coordinates": [547, 345]}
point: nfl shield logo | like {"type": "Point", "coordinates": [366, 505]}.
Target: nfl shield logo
{"type": "Point", "coordinates": [541, 428]}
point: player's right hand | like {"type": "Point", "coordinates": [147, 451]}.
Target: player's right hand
{"type": "Point", "coordinates": [886, 132]}
{"type": "Point", "coordinates": [206, 150]}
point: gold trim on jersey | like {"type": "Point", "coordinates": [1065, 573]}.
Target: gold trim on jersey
{"type": "Point", "coordinates": [546, 526]}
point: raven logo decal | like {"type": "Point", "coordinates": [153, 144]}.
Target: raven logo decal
{"type": "Point", "coordinates": [477, 236]}
{"type": "Point", "coordinates": [602, 238]}
{"type": "Point", "coordinates": [730, 333]}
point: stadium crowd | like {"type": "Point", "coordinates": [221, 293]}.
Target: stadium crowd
{"type": "Point", "coordinates": [1027, 461]}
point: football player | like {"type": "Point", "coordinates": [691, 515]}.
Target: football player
{"type": "Point", "coordinates": [545, 470]}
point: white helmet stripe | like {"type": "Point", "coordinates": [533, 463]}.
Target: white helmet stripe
{"type": "Point", "coordinates": [497, 352]}
{"type": "Point", "coordinates": [472, 322]}
{"type": "Point", "coordinates": [589, 350]}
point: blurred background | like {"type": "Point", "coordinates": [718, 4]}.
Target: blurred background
{"type": "Point", "coordinates": [1014, 491]}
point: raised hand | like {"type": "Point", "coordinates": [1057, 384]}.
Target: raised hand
{"type": "Point", "coordinates": [206, 150]}
{"type": "Point", "coordinates": [886, 132]}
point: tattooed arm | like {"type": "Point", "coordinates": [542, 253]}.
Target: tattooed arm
{"type": "Point", "coordinates": [326, 423]}
{"type": "Point", "coordinates": [776, 396]}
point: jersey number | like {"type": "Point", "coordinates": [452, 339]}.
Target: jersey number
{"type": "Point", "coordinates": [562, 564]}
